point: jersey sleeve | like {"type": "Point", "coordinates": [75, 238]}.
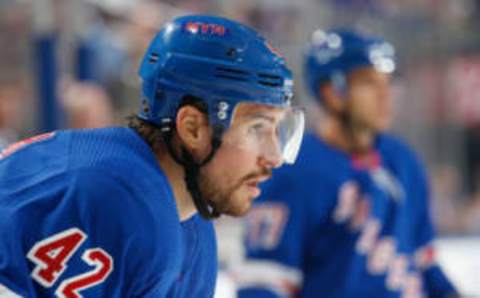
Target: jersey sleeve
{"type": "Point", "coordinates": [436, 282]}
{"type": "Point", "coordinates": [276, 238]}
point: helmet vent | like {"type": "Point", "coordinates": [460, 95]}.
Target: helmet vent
{"type": "Point", "coordinates": [231, 73]}
{"type": "Point", "coordinates": [269, 84]}
{"type": "Point", "coordinates": [153, 58]}
{"type": "Point", "coordinates": [270, 80]}
{"type": "Point", "coordinates": [269, 76]}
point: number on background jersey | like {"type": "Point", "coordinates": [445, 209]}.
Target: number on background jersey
{"type": "Point", "coordinates": [265, 224]}
{"type": "Point", "coordinates": [51, 255]}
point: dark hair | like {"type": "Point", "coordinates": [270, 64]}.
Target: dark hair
{"type": "Point", "coordinates": [149, 132]}
{"type": "Point", "coordinates": [152, 133]}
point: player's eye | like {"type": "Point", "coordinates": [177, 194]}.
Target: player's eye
{"type": "Point", "coordinates": [258, 128]}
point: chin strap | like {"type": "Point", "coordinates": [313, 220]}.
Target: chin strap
{"type": "Point", "coordinates": [192, 169]}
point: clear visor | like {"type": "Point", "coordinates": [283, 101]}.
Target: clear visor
{"type": "Point", "coordinates": [271, 132]}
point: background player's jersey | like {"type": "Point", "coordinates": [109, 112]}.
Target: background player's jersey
{"type": "Point", "coordinates": [91, 214]}
{"type": "Point", "coordinates": [336, 226]}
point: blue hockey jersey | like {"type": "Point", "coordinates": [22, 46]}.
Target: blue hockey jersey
{"type": "Point", "coordinates": [90, 213]}
{"type": "Point", "coordinates": [337, 226]}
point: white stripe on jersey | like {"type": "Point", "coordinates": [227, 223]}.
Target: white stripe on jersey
{"type": "Point", "coordinates": [282, 280]}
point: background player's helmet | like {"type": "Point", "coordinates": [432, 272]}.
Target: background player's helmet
{"type": "Point", "coordinates": [215, 59]}
{"type": "Point", "coordinates": [331, 55]}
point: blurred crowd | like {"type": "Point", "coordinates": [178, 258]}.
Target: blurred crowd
{"type": "Point", "coordinates": [435, 90]}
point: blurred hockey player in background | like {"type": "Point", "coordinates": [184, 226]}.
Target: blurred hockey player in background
{"type": "Point", "coordinates": [351, 218]}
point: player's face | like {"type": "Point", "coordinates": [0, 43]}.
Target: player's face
{"type": "Point", "coordinates": [369, 101]}
{"type": "Point", "coordinates": [248, 153]}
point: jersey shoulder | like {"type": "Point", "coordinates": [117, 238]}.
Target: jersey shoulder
{"type": "Point", "coordinates": [400, 155]}
{"type": "Point", "coordinates": [41, 156]}
{"type": "Point", "coordinates": [317, 164]}
{"type": "Point", "coordinates": [315, 152]}
{"type": "Point", "coordinates": [395, 146]}
{"type": "Point", "coordinates": [116, 147]}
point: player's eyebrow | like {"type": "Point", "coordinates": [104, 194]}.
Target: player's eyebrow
{"type": "Point", "coordinates": [261, 116]}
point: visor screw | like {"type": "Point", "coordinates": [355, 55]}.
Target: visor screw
{"type": "Point", "coordinates": [222, 106]}
{"type": "Point", "coordinates": [222, 115]}
{"type": "Point", "coordinates": [222, 110]}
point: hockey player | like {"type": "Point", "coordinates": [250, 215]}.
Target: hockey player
{"type": "Point", "coordinates": [351, 218]}
{"type": "Point", "coordinates": [113, 212]}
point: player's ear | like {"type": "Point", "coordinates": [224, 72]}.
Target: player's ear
{"type": "Point", "coordinates": [193, 129]}
{"type": "Point", "coordinates": [332, 100]}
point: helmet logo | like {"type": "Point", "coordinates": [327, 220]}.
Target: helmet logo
{"type": "Point", "coordinates": [205, 28]}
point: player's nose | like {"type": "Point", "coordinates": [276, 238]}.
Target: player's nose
{"type": "Point", "coordinates": [272, 159]}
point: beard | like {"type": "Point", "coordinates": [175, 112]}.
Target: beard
{"type": "Point", "coordinates": [228, 199]}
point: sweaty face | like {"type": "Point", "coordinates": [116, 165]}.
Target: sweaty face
{"type": "Point", "coordinates": [369, 102]}
{"type": "Point", "coordinates": [248, 153]}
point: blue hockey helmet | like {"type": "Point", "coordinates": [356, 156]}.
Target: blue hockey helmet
{"type": "Point", "coordinates": [331, 55]}
{"type": "Point", "coordinates": [215, 59]}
